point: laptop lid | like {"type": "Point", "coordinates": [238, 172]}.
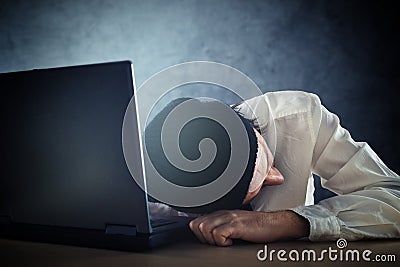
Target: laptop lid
{"type": "Point", "coordinates": [61, 154]}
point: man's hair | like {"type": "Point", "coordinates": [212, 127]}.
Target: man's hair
{"type": "Point", "coordinates": [189, 137]}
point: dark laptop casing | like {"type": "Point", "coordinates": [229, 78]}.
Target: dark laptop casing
{"type": "Point", "coordinates": [63, 177]}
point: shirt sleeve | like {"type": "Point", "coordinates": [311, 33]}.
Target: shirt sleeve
{"type": "Point", "coordinates": [368, 201]}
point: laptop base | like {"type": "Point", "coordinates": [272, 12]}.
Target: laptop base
{"type": "Point", "coordinates": [95, 238]}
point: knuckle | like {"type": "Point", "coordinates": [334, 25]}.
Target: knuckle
{"type": "Point", "coordinates": [216, 232]}
{"type": "Point", "coordinates": [233, 215]}
{"type": "Point", "coordinates": [203, 226]}
{"type": "Point", "coordinates": [193, 225]}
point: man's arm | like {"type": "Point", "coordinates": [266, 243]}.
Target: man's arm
{"type": "Point", "coordinates": [368, 204]}
{"type": "Point", "coordinates": [219, 228]}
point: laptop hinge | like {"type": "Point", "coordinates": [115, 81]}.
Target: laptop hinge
{"type": "Point", "coordinates": [112, 229]}
{"type": "Point", "coordinates": [5, 219]}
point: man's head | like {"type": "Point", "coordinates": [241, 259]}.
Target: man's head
{"type": "Point", "coordinates": [258, 162]}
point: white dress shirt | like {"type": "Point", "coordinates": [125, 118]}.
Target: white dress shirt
{"type": "Point", "coordinates": [309, 139]}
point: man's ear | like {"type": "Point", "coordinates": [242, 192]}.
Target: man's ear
{"type": "Point", "coordinates": [274, 177]}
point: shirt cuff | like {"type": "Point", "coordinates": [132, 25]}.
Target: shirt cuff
{"type": "Point", "coordinates": [324, 225]}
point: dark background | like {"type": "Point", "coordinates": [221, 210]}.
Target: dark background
{"type": "Point", "coordinates": [345, 51]}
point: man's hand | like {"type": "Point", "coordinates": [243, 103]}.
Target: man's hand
{"type": "Point", "coordinates": [219, 228]}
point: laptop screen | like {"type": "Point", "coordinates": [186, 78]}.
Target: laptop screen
{"type": "Point", "coordinates": [60, 147]}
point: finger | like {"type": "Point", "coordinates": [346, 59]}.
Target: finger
{"type": "Point", "coordinates": [203, 226]}
{"type": "Point", "coordinates": [223, 235]}
{"type": "Point", "coordinates": [206, 231]}
{"type": "Point", "coordinates": [194, 226]}
{"type": "Point", "coordinates": [207, 225]}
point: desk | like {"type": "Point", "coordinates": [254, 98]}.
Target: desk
{"type": "Point", "coordinates": [186, 253]}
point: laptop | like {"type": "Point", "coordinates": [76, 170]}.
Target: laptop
{"type": "Point", "coordinates": [63, 176]}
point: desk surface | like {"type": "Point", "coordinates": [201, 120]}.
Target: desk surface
{"type": "Point", "coordinates": [191, 253]}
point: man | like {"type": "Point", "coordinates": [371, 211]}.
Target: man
{"type": "Point", "coordinates": [309, 140]}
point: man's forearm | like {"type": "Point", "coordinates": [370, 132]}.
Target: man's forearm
{"type": "Point", "coordinates": [288, 224]}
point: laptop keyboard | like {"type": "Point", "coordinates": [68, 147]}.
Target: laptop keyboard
{"type": "Point", "coordinates": [157, 222]}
